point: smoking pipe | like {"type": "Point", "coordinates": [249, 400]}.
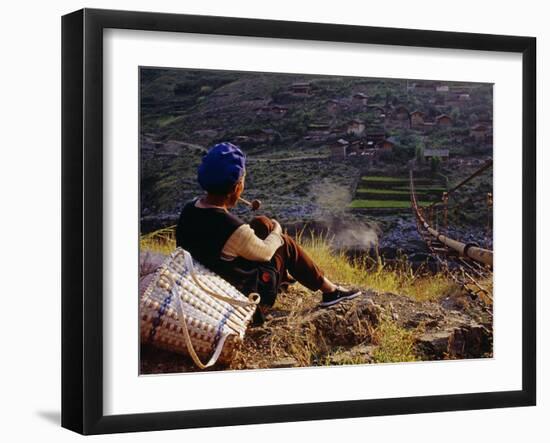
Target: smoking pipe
{"type": "Point", "coordinates": [254, 204]}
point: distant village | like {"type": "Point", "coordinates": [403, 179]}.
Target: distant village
{"type": "Point", "coordinates": [370, 136]}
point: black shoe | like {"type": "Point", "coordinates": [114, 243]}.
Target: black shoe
{"type": "Point", "coordinates": [331, 298]}
{"type": "Point", "coordinates": [258, 318]}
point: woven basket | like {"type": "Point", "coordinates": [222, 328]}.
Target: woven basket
{"type": "Point", "coordinates": [188, 309]}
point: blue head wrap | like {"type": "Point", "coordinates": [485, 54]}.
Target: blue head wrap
{"type": "Point", "coordinates": [221, 168]}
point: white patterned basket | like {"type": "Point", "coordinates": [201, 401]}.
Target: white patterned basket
{"type": "Point", "coordinates": [188, 309]}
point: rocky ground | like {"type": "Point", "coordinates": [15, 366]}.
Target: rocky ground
{"type": "Point", "coordinates": [399, 233]}
{"type": "Point", "coordinates": [298, 333]}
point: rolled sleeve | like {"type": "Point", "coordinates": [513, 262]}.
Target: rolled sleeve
{"type": "Point", "coordinates": [244, 243]}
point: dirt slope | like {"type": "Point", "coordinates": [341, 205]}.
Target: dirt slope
{"type": "Point", "coordinates": [374, 327]}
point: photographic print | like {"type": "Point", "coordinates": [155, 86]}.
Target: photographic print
{"type": "Point", "coordinates": [291, 220]}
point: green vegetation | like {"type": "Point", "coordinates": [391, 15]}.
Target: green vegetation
{"type": "Point", "coordinates": [400, 278]}
{"type": "Point", "coordinates": [384, 179]}
{"type": "Point", "coordinates": [395, 344]}
{"type": "Point", "coordinates": [389, 192]}
{"type": "Point", "coordinates": [383, 191]}
{"type": "Point", "coordinates": [390, 204]}
{"type": "Point", "coordinates": [421, 188]}
{"type": "Point", "coordinates": [395, 181]}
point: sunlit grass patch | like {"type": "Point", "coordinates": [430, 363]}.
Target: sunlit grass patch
{"type": "Point", "coordinates": [383, 204]}
{"type": "Point", "coordinates": [382, 191]}
{"type": "Point", "coordinates": [162, 241]}
{"type": "Point", "coordinates": [426, 188]}
{"type": "Point", "coordinates": [394, 344]}
{"type": "Point", "coordinates": [384, 179]}
{"type": "Point", "coordinates": [365, 272]}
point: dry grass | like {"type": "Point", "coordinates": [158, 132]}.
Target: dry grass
{"type": "Point", "coordinates": [162, 241]}
{"type": "Point", "coordinates": [400, 278]}
{"type": "Point", "coordinates": [377, 275]}
{"type": "Point", "coordinates": [394, 344]}
{"type": "Point", "coordinates": [484, 288]}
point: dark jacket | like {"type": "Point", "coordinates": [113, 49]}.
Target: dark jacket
{"type": "Point", "coordinates": [203, 232]}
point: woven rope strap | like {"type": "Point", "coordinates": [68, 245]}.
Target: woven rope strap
{"type": "Point", "coordinates": [189, 343]}
{"type": "Point", "coordinates": [253, 299]}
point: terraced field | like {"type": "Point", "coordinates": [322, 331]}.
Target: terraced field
{"type": "Point", "coordinates": [392, 193]}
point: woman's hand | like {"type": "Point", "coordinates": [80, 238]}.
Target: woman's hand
{"type": "Point", "coordinates": [276, 227]}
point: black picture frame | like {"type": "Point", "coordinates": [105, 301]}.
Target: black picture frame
{"type": "Point", "coordinates": [82, 218]}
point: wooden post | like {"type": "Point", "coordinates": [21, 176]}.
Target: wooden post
{"type": "Point", "coordinates": [445, 211]}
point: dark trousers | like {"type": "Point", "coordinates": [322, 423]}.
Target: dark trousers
{"type": "Point", "coordinates": [290, 257]}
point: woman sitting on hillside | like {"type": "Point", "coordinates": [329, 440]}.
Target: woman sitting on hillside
{"type": "Point", "coordinates": [255, 257]}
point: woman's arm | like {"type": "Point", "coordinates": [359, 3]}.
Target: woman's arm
{"type": "Point", "coordinates": [244, 243]}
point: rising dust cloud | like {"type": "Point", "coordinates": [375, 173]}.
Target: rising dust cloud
{"type": "Point", "coordinates": [332, 200]}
